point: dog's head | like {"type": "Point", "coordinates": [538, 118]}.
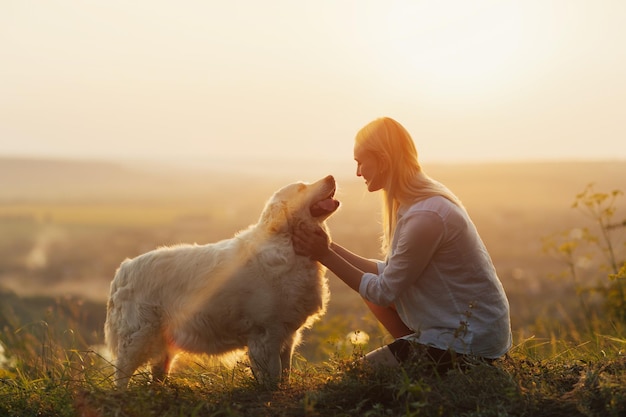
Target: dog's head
{"type": "Point", "coordinates": [300, 202]}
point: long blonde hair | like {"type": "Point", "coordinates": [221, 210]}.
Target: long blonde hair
{"type": "Point", "coordinates": [406, 182]}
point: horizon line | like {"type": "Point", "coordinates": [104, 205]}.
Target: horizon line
{"type": "Point", "coordinates": [176, 161]}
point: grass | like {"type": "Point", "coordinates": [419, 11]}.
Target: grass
{"type": "Point", "coordinates": [583, 380]}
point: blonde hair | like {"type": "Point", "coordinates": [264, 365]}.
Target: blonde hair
{"type": "Point", "coordinates": [406, 182]}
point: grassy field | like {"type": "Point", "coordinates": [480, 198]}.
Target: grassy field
{"type": "Point", "coordinates": [586, 380]}
{"type": "Point", "coordinates": [64, 233]}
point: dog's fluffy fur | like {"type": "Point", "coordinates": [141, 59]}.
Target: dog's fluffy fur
{"type": "Point", "coordinates": [250, 291]}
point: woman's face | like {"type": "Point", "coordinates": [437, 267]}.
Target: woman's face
{"type": "Point", "coordinates": [370, 168]}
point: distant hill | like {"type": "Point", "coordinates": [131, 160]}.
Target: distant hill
{"type": "Point", "coordinates": [530, 183]}
{"type": "Point", "coordinates": [59, 179]}
{"type": "Point", "coordinates": [22, 178]}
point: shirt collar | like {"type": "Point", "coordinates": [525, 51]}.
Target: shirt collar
{"type": "Point", "coordinates": [402, 210]}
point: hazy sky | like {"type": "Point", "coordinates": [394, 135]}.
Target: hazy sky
{"type": "Point", "coordinates": [471, 80]}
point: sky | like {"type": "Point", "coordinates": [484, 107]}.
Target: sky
{"type": "Point", "coordinates": [289, 80]}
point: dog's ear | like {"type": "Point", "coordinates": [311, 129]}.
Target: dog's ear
{"type": "Point", "coordinates": [275, 217]}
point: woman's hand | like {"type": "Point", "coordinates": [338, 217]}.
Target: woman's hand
{"type": "Point", "coordinates": [311, 242]}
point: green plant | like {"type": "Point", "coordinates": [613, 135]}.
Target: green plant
{"type": "Point", "coordinates": [578, 248]}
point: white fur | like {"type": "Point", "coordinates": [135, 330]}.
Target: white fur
{"type": "Point", "coordinates": [250, 291]}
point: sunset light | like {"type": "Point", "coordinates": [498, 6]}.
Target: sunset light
{"type": "Point", "coordinates": [213, 207]}
{"type": "Point", "coordinates": [459, 47]}
{"type": "Point", "coordinates": [287, 80]}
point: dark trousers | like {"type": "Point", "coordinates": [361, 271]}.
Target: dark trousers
{"type": "Point", "coordinates": [433, 359]}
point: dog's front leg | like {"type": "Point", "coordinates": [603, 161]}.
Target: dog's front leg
{"type": "Point", "coordinates": [265, 360]}
{"type": "Point", "coordinates": [286, 353]}
{"type": "Point", "coordinates": [160, 368]}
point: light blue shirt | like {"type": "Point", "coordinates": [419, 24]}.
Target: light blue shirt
{"type": "Point", "coordinates": [442, 281]}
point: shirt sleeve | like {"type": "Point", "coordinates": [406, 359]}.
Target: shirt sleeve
{"type": "Point", "coordinates": [419, 236]}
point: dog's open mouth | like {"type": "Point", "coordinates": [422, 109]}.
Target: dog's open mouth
{"type": "Point", "coordinates": [325, 206]}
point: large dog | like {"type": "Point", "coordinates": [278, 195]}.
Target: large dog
{"type": "Point", "coordinates": [250, 291]}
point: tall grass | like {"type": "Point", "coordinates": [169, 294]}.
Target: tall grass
{"type": "Point", "coordinates": [52, 374]}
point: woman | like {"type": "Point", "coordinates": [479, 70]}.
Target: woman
{"type": "Point", "coordinates": [437, 293]}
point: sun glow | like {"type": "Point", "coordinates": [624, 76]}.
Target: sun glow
{"type": "Point", "coordinates": [456, 46]}
{"type": "Point", "coordinates": [281, 83]}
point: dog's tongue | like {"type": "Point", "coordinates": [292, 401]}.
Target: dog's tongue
{"type": "Point", "coordinates": [323, 207]}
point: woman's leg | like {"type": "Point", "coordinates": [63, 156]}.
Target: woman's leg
{"type": "Point", "coordinates": [383, 356]}
{"type": "Point", "coordinates": [404, 351]}
{"type": "Point", "coordinates": [388, 317]}
{"type": "Point", "coordinates": [392, 354]}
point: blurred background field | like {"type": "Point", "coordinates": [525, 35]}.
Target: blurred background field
{"type": "Point", "coordinates": [66, 226]}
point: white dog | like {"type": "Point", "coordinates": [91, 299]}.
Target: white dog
{"type": "Point", "coordinates": [250, 291]}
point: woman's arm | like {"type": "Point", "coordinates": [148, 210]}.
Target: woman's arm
{"type": "Point", "coordinates": [316, 245]}
{"type": "Point", "coordinates": [364, 264]}
{"type": "Point", "coordinates": [349, 267]}
{"type": "Point", "coordinates": [347, 272]}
